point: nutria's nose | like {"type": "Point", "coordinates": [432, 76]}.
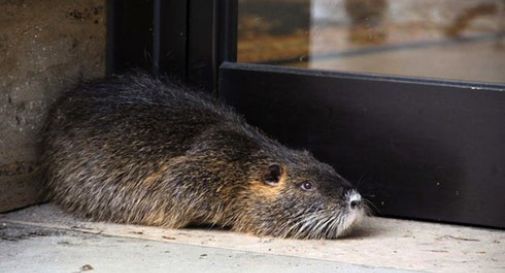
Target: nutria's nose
{"type": "Point", "coordinates": [354, 199]}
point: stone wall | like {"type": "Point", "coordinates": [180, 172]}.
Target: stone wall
{"type": "Point", "coordinates": [45, 46]}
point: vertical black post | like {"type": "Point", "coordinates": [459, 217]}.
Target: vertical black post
{"type": "Point", "coordinates": [170, 38]}
{"type": "Point", "coordinates": [200, 45]}
{"type": "Point", "coordinates": [155, 69]}
{"type": "Point", "coordinates": [150, 35]}
{"type": "Point", "coordinates": [227, 20]}
{"type": "Point", "coordinates": [212, 40]}
{"type": "Point", "coordinates": [186, 39]}
{"type": "Point", "coordinates": [129, 33]}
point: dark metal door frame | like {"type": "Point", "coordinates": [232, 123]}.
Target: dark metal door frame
{"type": "Point", "coordinates": [431, 150]}
{"type": "Point", "coordinates": [186, 39]}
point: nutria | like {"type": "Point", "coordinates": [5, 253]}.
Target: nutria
{"type": "Point", "coordinates": [132, 149]}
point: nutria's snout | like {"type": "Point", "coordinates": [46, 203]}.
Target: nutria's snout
{"type": "Point", "coordinates": [357, 210]}
{"type": "Point", "coordinates": [354, 200]}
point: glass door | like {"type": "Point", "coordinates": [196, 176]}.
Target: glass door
{"type": "Point", "coordinates": [452, 39]}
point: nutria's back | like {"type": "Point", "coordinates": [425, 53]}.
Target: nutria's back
{"type": "Point", "coordinates": [134, 150]}
{"type": "Point", "coordinates": [139, 110]}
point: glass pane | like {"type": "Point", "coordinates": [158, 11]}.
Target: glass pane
{"type": "Point", "coordinates": [448, 39]}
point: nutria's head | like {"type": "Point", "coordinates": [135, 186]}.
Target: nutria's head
{"type": "Point", "coordinates": [299, 197]}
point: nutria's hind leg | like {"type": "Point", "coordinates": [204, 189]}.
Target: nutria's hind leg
{"type": "Point", "coordinates": [166, 220]}
{"type": "Point", "coordinates": [150, 211]}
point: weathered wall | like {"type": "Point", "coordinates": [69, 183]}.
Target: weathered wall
{"type": "Point", "coordinates": [45, 46]}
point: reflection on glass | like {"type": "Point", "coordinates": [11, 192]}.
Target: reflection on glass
{"type": "Point", "coordinates": [450, 39]}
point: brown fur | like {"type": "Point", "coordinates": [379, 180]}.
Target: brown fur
{"type": "Point", "coordinates": [134, 150]}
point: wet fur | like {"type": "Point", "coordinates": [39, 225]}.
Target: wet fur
{"type": "Point", "coordinates": [135, 150]}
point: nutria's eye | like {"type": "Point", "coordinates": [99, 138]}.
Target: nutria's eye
{"type": "Point", "coordinates": [306, 186]}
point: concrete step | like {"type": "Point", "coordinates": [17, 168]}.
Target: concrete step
{"type": "Point", "coordinates": [44, 239]}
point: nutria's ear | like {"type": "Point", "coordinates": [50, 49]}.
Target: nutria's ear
{"type": "Point", "coordinates": [272, 175]}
